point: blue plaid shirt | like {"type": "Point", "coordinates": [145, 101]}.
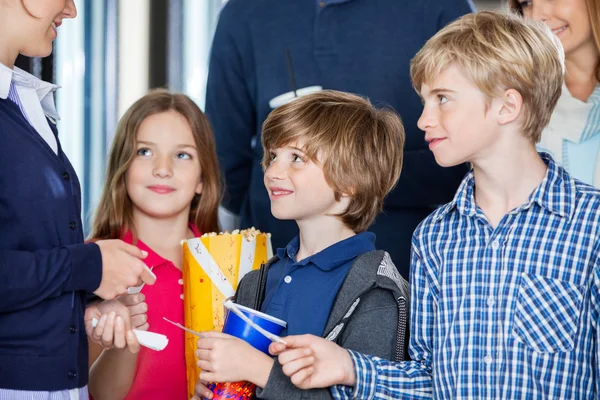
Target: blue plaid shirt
{"type": "Point", "coordinates": [510, 312]}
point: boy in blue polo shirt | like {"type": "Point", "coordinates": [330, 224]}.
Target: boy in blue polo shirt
{"type": "Point", "coordinates": [330, 159]}
{"type": "Point", "coordinates": [505, 279]}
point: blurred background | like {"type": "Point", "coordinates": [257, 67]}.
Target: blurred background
{"type": "Point", "coordinates": [111, 54]}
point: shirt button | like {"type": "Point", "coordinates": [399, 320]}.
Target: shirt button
{"type": "Point", "coordinates": [73, 329]}
{"type": "Point", "coordinates": [73, 225]}
{"type": "Point", "coordinates": [495, 245]}
{"type": "Point", "coordinates": [488, 359]}
{"type": "Point", "coordinates": [491, 302]}
{"type": "Point", "coordinates": [66, 176]}
{"type": "Point", "coordinates": [72, 374]}
{"type": "Point", "coordinates": [287, 279]}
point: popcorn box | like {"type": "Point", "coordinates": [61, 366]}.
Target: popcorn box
{"type": "Point", "coordinates": [213, 266]}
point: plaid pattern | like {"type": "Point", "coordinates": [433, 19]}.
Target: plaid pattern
{"type": "Point", "coordinates": [510, 312]}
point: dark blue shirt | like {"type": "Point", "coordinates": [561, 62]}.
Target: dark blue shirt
{"type": "Point", "coordinates": [302, 293]}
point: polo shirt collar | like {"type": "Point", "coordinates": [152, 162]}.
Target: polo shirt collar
{"type": "Point", "coordinates": [333, 256]}
{"type": "Point", "coordinates": [153, 259]}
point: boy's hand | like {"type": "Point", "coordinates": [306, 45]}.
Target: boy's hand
{"type": "Point", "coordinates": [136, 304]}
{"type": "Point", "coordinates": [313, 362]}
{"type": "Point", "coordinates": [201, 391]}
{"type": "Point", "coordinates": [114, 326]}
{"type": "Point", "coordinates": [122, 267]}
{"type": "Point", "coordinates": [224, 358]}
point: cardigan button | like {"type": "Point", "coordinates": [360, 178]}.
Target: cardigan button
{"type": "Point", "coordinates": [73, 329]}
{"type": "Point", "coordinates": [72, 374]}
{"type": "Point", "coordinates": [66, 176]}
{"type": "Point", "coordinates": [73, 225]}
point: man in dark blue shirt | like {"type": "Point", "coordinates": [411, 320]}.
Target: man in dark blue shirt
{"type": "Point", "coordinates": [266, 48]}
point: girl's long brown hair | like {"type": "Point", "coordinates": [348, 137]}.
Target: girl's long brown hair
{"type": "Point", "coordinates": [593, 7]}
{"type": "Point", "coordinates": [115, 211]}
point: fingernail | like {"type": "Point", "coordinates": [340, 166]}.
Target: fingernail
{"type": "Point", "coordinates": [119, 321]}
{"type": "Point", "coordinates": [144, 253]}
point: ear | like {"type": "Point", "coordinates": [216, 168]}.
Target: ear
{"type": "Point", "coordinates": [511, 105]}
{"type": "Point", "coordinates": [349, 192]}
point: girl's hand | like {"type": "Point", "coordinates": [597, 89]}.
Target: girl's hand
{"type": "Point", "coordinates": [114, 326]}
{"type": "Point", "coordinates": [313, 362]}
{"type": "Point", "coordinates": [224, 358]}
{"type": "Point", "coordinates": [136, 304]}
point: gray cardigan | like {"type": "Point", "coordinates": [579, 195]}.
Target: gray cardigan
{"type": "Point", "coordinates": [369, 315]}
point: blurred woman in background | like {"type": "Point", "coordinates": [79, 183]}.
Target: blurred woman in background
{"type": "Point", "coordinates": [573, 135]}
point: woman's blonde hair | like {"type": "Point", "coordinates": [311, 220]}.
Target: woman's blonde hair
{"type": "Point", "coordinates": [114, 214]}
{"type": "Point", "coordinates": [593, 7]}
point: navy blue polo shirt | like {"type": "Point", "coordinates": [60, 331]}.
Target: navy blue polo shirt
{"type": "Point", "coordinates": [302, 293]}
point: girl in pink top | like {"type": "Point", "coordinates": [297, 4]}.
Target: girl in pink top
{"type": "Point", "coordinates": [162, 186]}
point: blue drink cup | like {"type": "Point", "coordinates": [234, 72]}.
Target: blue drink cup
{"type": "Point", "coordinates": [235, 326]}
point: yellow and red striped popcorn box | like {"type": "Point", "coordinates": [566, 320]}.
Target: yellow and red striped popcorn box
{"type": "Point", "coordinates": [213, 266]}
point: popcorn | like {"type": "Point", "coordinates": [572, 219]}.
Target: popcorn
{"type": "Point", "coordinates": [213, 266]}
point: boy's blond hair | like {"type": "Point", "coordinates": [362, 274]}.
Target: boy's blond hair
{"type": "Point", "coordinates": [359, 147]}
{"type": "Point", "coordinates": [499, 51]}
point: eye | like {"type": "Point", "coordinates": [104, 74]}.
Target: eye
{"type": "Point", "coordinates": [297, 158]}
{"type": "Point", "coordinates": [525, 4]}
{"type": "Point", "coordinates": [183, 156]}
{"type": "Point", "coordinates": [442, 98]}
{"type": "Point", "coordinates": [272, 157]}
{"type": "Point", "coordinates": [144, 151]}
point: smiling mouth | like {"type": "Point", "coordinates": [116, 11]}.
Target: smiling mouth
{"type": "Point", "coordinates": [559, 30]}
{"type": "Point", "coordinates": [434, 142]}
{"type": "Point", "coordinates": [161, 189]}
{"type": "Point", "coordinates": [278, 192]}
